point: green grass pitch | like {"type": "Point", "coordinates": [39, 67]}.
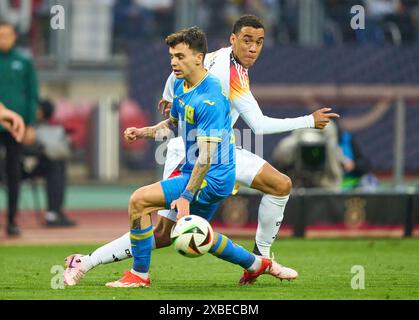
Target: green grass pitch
{"type": "Point", "coordinates": [391, 272]}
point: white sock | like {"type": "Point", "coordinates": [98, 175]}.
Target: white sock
{"type": "Point", "coordinates": [270, 216]}
{"type": "Point", "coordinates": [143, 275]}
{"type": "Point", "coordinates": [114, 251]}
{"type": "Point", "coordinates": [255, 265]}
{"type": "Point", "coordinates": [86, 262]}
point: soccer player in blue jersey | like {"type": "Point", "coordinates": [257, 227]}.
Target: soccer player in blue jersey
{"type": "Point", "coordinates": [202, 111]}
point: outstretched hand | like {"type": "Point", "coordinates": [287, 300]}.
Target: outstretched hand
{"type": "Point", "coordinates": [322, 117]}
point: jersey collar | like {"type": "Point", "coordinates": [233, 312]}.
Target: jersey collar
{"type": "Point", "coordinates": [234, 59]}
{"type": "Point", "coordinates": [185, 90]}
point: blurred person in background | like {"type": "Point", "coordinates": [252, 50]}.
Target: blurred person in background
{"type": "Point", "coordinates": [162, 12]}
{"type": "Point", "coordinates": [391, 15]}
{"type": "Point", "coordinates": [19, 92]}
{"type": "Point", "coordinates": [269, 12]}
{"type": "Point", "coordinates": [50, 149]}
{"type": "Point", "coordinates": [356, 166]}
{"type": "Point", "coordinates": [141, 20]}
{"type": "Point", "coordinates": [131, 23]}
{"type": "Point", "coordinates": [338, 20]}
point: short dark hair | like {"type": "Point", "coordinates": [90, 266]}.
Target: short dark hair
{"type": "Point", "coordinates": [194, 37]}
{"type": "Point", "coordinates": [247, 20]}
{"type": "Point", "coordinates": [47, 108]}
{"type": "Point", "coordinates": [5, 23]}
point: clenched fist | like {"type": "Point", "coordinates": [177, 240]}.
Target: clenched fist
{"type": "Point", "coordinates": [132, 134]}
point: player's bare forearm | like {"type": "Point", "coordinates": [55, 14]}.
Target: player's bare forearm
{"type": "Point", "coordinates": [161, 129]}
{"type": "Point", "coordinates": [202, 165]}
{"type": "Point", "coordinates": [197, 177]}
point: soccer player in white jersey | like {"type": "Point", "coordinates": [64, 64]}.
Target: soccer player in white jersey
{"type": "Point", "coordinates": [231, 66]}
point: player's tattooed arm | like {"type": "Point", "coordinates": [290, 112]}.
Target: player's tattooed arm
{"type": "Point", "coordinates": [160, 130]}
{"type": "Point", "coordinates": [202, 165]}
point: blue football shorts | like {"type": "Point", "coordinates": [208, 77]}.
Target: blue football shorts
{"type": "Point", "coordinates": [205, 202]}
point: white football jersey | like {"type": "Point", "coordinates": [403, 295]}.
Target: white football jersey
{"type": "Point", "coordinates": [235, 82]}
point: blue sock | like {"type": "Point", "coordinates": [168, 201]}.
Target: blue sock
{"type": "Point", "coordinates": [141, 246]}
{"type": "Point", "coordinates": [227, 250]}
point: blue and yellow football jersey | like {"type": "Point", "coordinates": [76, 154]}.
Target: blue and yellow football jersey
{"type": "Point", "coordinates": [203, 113]}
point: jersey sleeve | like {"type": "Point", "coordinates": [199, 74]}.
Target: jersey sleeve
{"type": "Point", "coordinates": [249, 110]}
{"type": "Point", "coordinates": [210, 119]}
{"type": "Point", "coordinates": [243, 101]}
{"type": "Point", "coordinates": [168, 92]}
{"type": "Point", "coordinates": [174, 112]}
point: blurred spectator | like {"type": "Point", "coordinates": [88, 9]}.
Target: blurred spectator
{"type": "Point", "coordinates": [18, 13]}
{"type": "Point", "coordinates": [388, 19]}
{"type": "Point", "coordinates": [50, 150]}
{"type": "Point", "coordinates": [356, 166]}
{"type": "Point", "coordinates": [289, 16]}
{"type": "Point", "coordinates": [31, 19]}
{"type": "Point", "coordinates": [40, 32]}
{"type": "Point", "coordinates": [338, 23]}
{"type": "Point", "coordinates": [377, 9]}
{"type": "Point", "coordinates": [131, 23]}
{"type": "Point", "coordinates": [311, 158]}
{"type": "Point", "coordinates": [392, 21]}
{"type": "Point", "coordinates": [162, 12]}
{"type": "Point", "coordinates": [268, 11]}
{"type": "Point", "coordinates": [18, 92]}
{"type": "Point", "coordinates": [219, 15]}
{"type": "Point", "coordinates": [141, 20]}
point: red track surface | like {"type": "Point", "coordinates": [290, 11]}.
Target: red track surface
{"type": "Point", "coordinates": [93, 226]}
{"type": "Point", "coordinates": [101, 226]}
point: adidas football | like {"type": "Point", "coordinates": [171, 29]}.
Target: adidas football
{"type": "Point", "coordinates": [192, 236]}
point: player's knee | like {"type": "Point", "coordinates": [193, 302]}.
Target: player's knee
{"type": "Point", "coordinates": [283, 187]}
{"type": "Point", "coordinates": [138, 200]}
{"type": "Point", "coordinates": [288, 185]}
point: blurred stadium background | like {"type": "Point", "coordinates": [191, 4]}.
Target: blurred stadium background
{"type": "Point", "coordinates": [106, 70]}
